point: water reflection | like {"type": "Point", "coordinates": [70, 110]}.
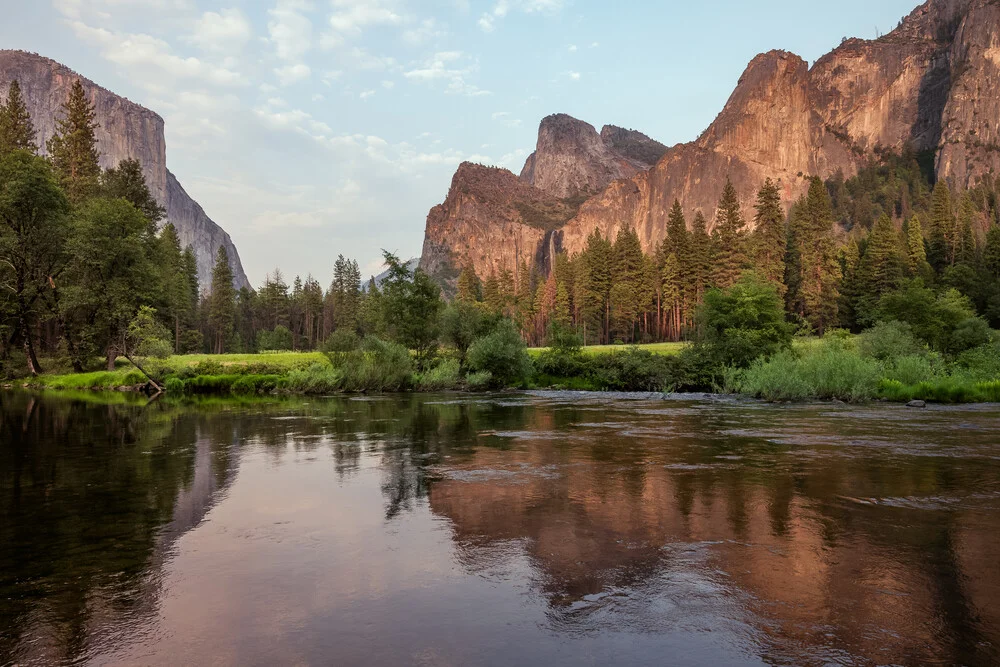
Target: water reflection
{"type": "Point", "coordinates": [539, 529]}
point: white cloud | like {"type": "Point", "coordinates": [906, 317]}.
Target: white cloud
{"type": "Point", "coordinates": [353, 15]}
{"type": "Point", "coordinates": [574, 76]}
{"type": "Point", "coordinates": [294, 119]}
{"type": "Point", "coordinates": [446, 67]}
{"type": "Point", "coordinates": [505, 118]}
{"type": "Point", "coordinates": [594, 45]}
{"type": "Point", "coordinates": [571, 48]}
{"type": "Point", "coordinates": [318, 97]}
{"type": "Point", "coordinates": [487, 22]}
{"type": "Point", "coordinates": [366, 94]}
{"type": "Point", "coordinates": [227, 31]}
{"type": "Point", "coordinates": [149, 56]}
{"type": "Point", "coordinates": [425, 31]}
{"type": "Point", "coordinates": [388, 85]}
{"type": "Point", "coordinates": [292, 73]}
{"type": "Point", "coordinates": [290, 31]}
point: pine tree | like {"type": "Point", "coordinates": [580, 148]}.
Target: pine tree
{"type": "Point", "coordinates": [850, 258]}
{"type": "Point", "coordinates": [16, 130]}
{"type": "Point", "coordinates": [940, 246]}
{"type": "Point", "coordinates": [174, 282]}
{"type": "Point", "coordinates": [816, 249]}
{"type": "Point", "coordinates": [126, 181]}
{"type": "Point", "coordinates": [563, 274]}
{"type": "Point", "coordinates": [627, 293]}
{"type": "Point", "coordinates": [491, 295]}
{"type": "Point", "coordinates": [729, 239]}
{"type": "Point", "coordinates": [595, 288]}
{"type": "Point", "coordinates": [222, 302]}
{"type": "Point", "coordinates": [916, 251]}
{"type": "Point", "coordinates": [469, 287]}
{"type": "Point", "coordinates": [770, 236]}
{"type": "Point", "coordinates": [965, 238]}
{"type": "Point", "coordinates": [73, 149]}
{"type": "Point", "coordinates": [672, 294]}
{"type": "Point", "coordinates": [702, 259]}
{"type": "Point", "coordinates": [880, 270]}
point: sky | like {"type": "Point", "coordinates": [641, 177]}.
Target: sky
{"type": "Point", "coordinates": [312, 128]}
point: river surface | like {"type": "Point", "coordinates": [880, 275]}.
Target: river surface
{"type": "Point", "coordinates": [520, 529]}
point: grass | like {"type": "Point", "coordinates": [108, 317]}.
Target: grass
{"type": "Point", "coordinates": [277, 360]}
{"type": "Point", "coordinates": [668, 349]}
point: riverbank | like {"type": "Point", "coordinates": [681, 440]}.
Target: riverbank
{"type": "Point", "coordinates": [838, 368]}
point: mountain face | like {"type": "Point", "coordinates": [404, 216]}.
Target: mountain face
{"type": "Point", "coordinates": [125, 131]}
{"type": "Point", "coordinates": [933, 84]}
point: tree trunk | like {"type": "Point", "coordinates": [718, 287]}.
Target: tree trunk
{"type": "Point", "coordinates": [29, 348]}
{"type": "Point", "coordinates": [112, 358]}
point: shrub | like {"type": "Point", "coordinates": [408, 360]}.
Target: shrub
{"type": "Point", "coordinates": [462, 323]}
{"type": "Point", "coordinates": [911, 369]}
{"type": "Point", "coordinates": [830, 370]}
{"type": "Point", "coordinates": [341, 340]}
{"type": "Point", "coordinates": [971, 333]}
{"type": "Point", "coordinates": [446, 375]}
{"type": "Point", "coordinates": [156, 348]}
{"type": "Point", "coordinates": [174, 385]}
{"type": "Point", "coordinates": [888, 340]}
{"type": "Point", "coordinates": [316, 379]}
{"type": "Point", "coordinates": [744, 322]}
{"type": "Point", "coordinates": [376, 365]}
{"type": "Point", "coordinates": [479, 381]}
{"type": "Point", "coordinates": [933, 317]}
{"type": "Point", "coordinates": [278, 340]}
{"type": "Point", "coordinates": [633, 370]}
{"type": "Point", "coordinates": [564, 340]}
{"type": "Point", "coordinates": [250, 385]}
{"type": "Point", "coordinates": [191, 341]}
{"type": "Point", "coordinates": [503, 354]}
{"type": "Point", "coordinates": [982, 363]}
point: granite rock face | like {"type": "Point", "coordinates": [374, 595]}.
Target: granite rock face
{"type": "Point", "coordinates": [932, 84]}
{"type": "Point", "coordinates": [571, 159]}
{"type": "Point", "coordinates": [125, 131]}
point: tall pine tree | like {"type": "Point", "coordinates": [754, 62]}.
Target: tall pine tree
{"type": "Point", "coordinates": [222, 302]}
{"type": "Point", "coordinates": [16, 130]}
{"type": "Point", "coordinates": [729, 238]}
{"type": "Point", "coordinates": [73, 148]}
{"type": "Point", "coordinates": [770, 237]}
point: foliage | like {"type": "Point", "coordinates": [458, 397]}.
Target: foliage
{"type": "Point", "coordinates": [316, 379]}
{"type": "Point", "coordinates": [411, 305]}
{"type": "Point", "coordinates": [741, 323]}
{"type": "Point", "coordinates": [503, 354]}
{"type": "Point", "coordinates": [889, 340]}
{"type": "Point", "coordinates": [280, 339]}
{"type": "Point", "coordinates": [446, 375]}
{"type": "Point", "coordinates": [376, 365]}
{"type": "Point", "coordinates": [939, 319]}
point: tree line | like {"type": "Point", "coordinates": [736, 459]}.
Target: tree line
{"type": "Point", "coordinates": [840, 248]}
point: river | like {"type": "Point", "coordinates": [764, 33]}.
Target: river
{"type": "Point", "coordinates": [517, 529]}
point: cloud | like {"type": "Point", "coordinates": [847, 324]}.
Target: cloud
{"type": "Point", "coordinates": [295, 120]}
{"type": "Point", "coordinates": [504, 117]}
{"type": "Point", "coordinates": [571, 48]}
{"type": "Point", "coordinates": [151, 58]}
{"type": "Point", "coordinates": [366, 94]}
{"type": "Point", "coordinates": [292, 73]}
{"type": "Point", "coordinates": [353, 15]}
{"type": "Point", "coordinates": [290, 31]}
{"type": "Point", "coordinates": [487, 22]}
{"type": "Point", "coordinates": [574, 76]}
{"type": "Point", "coordinates": [425, 31]}
{"type": "Point", "coordinates": [225, 32]}
{"type": "Point", "coordinates": [445, 67]}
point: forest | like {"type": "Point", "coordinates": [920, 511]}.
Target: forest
{"type": "Point", "coordinates": [89, 275]}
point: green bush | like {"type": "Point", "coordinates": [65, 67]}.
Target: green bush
{"type": "Point", "coordinates": [250, 385]}
{"type": "Point", "coordinates": [376, 365]}
{"type": "Point", "coordinates": [633, 370]}
{"type": "Point", "coordinates": [971, 333]}
{"type": "Point", "coordinates": [503, 354]}
{"type": "Point", "coordinates": [156, 348]}
{"type": "Point", "coordinates": [911, 369]}
{"type": "Point", "coordinates": [479, 381]}
{"type": "Point", "coordinates": [982, 363]}
{"type": "Point", "coordinates": [278, 340]}
{"type": "Point", "coordinates": [446, 375]}
{"type": "Point", "coordinates": [174, 385]}
{"type": "Point", "coordinates": [742, 323]}
{"type": "Point", "coordinates": [888, 340]}
{"type": "Point", "coordinates": [934, 318]}
{"type": "Point", "coordinates": [830, 370]}
{"type": "Point", "coordinates": [316, 379]}
{"type": "Point", "coordinates": [341, 340]}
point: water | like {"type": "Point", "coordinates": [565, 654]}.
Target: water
{"type": "Point", "coordinates": [528, 529]}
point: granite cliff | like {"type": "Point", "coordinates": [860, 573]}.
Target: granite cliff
{"type": "Point", "coordinates": [932, 84]}
{"type": "Point", "coordinates": [125, 131]}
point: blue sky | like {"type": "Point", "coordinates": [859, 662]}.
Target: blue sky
{"type": "Point", "coordinates": [309, 128]}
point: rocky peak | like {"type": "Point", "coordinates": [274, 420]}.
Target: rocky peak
{"type": "Point", "coordinates": [125, 130]}
{"type": "Point", "coordinates": [571, 159]}
{"type": "Point", "coordinates": [633, 145]}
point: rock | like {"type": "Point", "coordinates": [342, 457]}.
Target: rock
{"type": "Point", "coordinates": [933, 84]}
{"type": "Point", "coordinates": [125, 130]}
{"type": "Point", "coordinates": [916, 404]}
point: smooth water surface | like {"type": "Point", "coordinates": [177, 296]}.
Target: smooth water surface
{"type": "Point", "coordinates": [524, 529]}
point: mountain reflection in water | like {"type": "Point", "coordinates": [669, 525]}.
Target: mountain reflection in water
{"type": "Point", "coordinates": [536, 529]}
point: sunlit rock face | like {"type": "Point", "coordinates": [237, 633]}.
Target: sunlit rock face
{"type": "Point", "coordinates": [932, 84]}
{"type": "Point", "coordinates": [125, 130]}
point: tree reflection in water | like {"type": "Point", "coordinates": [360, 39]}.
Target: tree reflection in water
{"type": "Point", "coordinates": [833, 533]}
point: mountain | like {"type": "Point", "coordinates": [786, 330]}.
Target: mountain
{"type": "Point", "coordinates": [933, 84]}
{"type": "Point", "coordinates": [125, 130]}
